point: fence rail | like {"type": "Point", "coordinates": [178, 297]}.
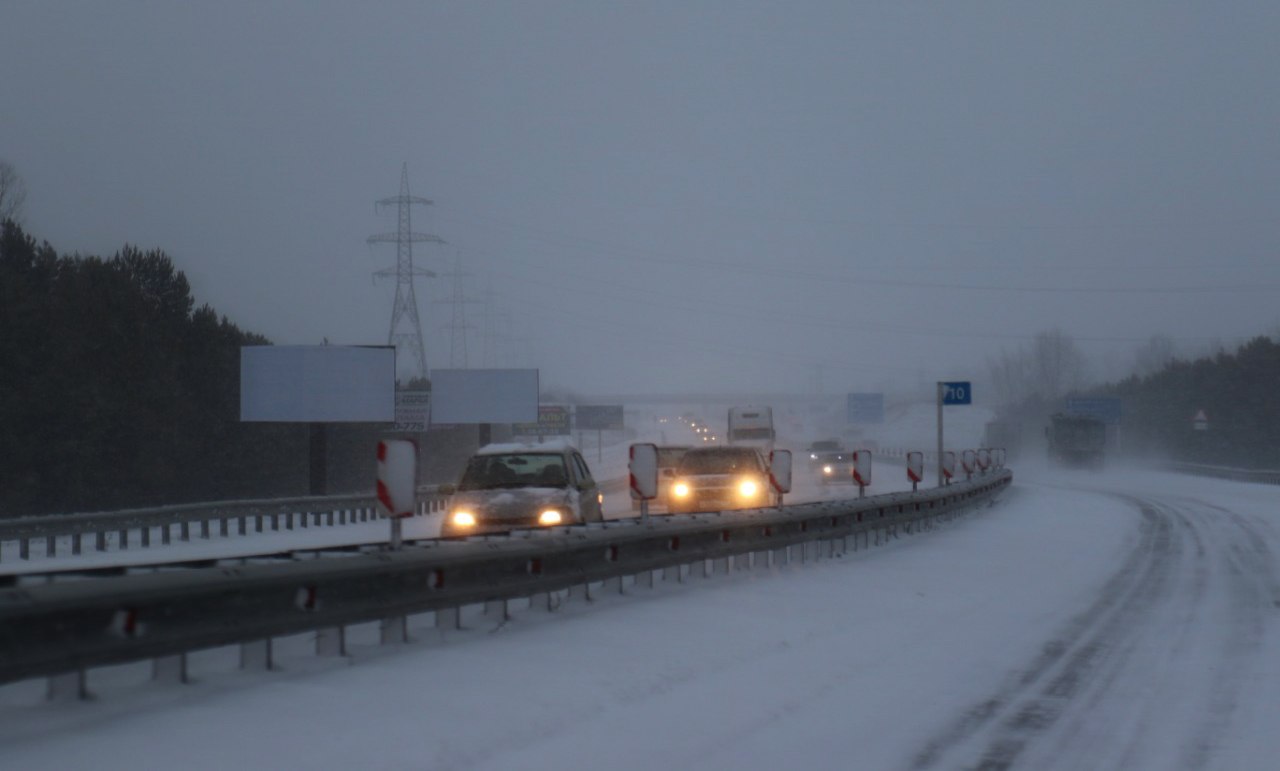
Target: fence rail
{"type": "Point", "coordinates": [61, 630]}
{"type": "Point", "coordinates": [240, 517]}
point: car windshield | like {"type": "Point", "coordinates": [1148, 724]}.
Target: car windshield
{"type": "Point", "coordinates": [490, 472]}
{"type": "Point", "coordinates": [752, 433]}
{"type": "Point", "coordinates": [833, 457]}
{"type": "Point", "coordinates": [719, 461]}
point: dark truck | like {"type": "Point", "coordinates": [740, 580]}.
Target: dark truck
{"type": "Point", "coordinates": [1076, 441]}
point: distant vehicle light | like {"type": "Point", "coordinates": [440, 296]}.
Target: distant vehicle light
{"type": "Point", "coordinates": [680, 489]}
{"type": "Point", "coordinates": [826, 469]}
{"type": "Point", "coordinates": [549, 517]}
{"type": "Point", "coordinates": [813, 456]}
{"type": "Point", "coordinates": [747, 488]}
{"type": "Point", "coordinates": [464, 519]}
{"type": "Point", "coordinates": [600, 498]}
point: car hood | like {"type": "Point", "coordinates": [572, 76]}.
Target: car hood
{"type": "Point", "coordinates": [512, 503]}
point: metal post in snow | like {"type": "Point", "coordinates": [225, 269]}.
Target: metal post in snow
{"type": "Point", "coordinates": [941, 481]}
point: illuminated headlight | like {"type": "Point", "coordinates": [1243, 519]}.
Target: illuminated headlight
{"type": "Point", "coordinates": [747, 488]}
{"type": "Point", "coordinates": [550, 517]}
{"type": "Point", "coordinates": [812, 456]}
{"type": "Point", "coordinates": [600, 498]}
{"type": "Point", "coordinates": [680, 489]}
{"type": "Point", "coordinates": [826, 469]}
{"type": "Point", "coordinates": [464, 519]}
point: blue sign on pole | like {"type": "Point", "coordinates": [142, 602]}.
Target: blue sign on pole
{"type": "Point", "coordinates": [959, 392]}
{"type": "Point", "coordinates": [1105, 409]}
{"type": "Point", "coordinates": [865, 408]}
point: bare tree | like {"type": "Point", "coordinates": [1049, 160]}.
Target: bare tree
{"type": "Point", "coordinates": [1153, 355]}
{"type": "Point", "coordinates": [1057, 365]}
{"type": "Point", "coordinates": [13, 193]}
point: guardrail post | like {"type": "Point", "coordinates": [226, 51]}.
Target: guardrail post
{"type": "Point", "coordinates": [164, 533]}
{"type": "Point", "coordinates": [75, 543]}
{"type": "Point", "coordinates": [543, 602]}
{"type": "Point", "coordinates": [288, 520]}
{"type": "Point", "coordinates": [100, 540]}
{"type": "Point", "coordinates": [242, 523]}
{"type": "Point", "coordinates": [330, 520]}
{"type": "Point", "coordinates": [331, 641]}
{"type": "Point", "coordinates": [184, 530]}
{"type": "Point", "coordinates": [342, 517]}
{"type": "Point", "coordinates": [257, 523]}
{"type": "Point", "coordinates": [170, 669]}
{"type": "Point", "coordinates": [582, 591]}
{"type": "Point", "coordinates": [449, 619]}
{"type": "Point", "coordinates": [51, 546]}
{"type": "Point", "coordinates": [645, 579]}
{"type": "Point", "coordinates": [124, 538]}
{"type": "Point", "coordinates": [256, 655]}
{"type": "Point", "coordinates": [145, 536]}
{"type": "Point", "coordinates": [224, 527]}
{"type": "Point", "coordinates": [24, 548]}
{"type": "Point", "coordinates": [303, 516]}
{"type": "Point", "coordinates": [673, 573]}
{"type": "Point", "coordinates": [275, 522]}
{"type": "Point", "coordinates": [497, 608]}
{"type": "Point", "coordinates": [395, 630]}
{"type": "Point", "coordinates": [70, 686]}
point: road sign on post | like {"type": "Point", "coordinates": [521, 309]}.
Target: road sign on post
{"type": "Point", "coordinates": [915, 468]}
{"type": "Point", "coordinates": [1201, 421]}
{"type": "Point", "coordinates": [954, 392]}
{"type": "Point", "coordinates": [643, 467]}
{"type": "Point", "coordinates": [862, 470]}
{"type": "Point", "coordinates": [780, 472]}
{"type": "Point", "coordinates": [397, 482]}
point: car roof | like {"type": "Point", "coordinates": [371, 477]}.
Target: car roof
{"type": "Point", "coordinates": [553, 447]}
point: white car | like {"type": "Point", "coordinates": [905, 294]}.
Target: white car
{"type": "Point", "coordinates": [511, 486]}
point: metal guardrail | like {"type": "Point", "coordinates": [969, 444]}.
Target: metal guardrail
{"type": "Point", "coordinates": [254, 516]}
{"type": "Point", "coordinates": [1261, 476]}
{"type": "Point", "coordinates": [60, 630]}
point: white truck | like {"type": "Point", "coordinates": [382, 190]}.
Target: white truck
{"type": "Point", "coordinates": [752, 427]}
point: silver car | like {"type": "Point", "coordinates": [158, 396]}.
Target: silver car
{"type": "Point", "coordinates": [511, 486]}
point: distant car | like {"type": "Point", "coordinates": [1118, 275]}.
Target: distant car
{"type": "Point", "coordinates": [510, 486]}
{"type": "Point", "coordinates": [821, 447]}
{"type": "Point", "coordinates": [720, 478]}
{"type": "Point", "coordinates": [833, 467]}
{"type": "Point", "coordinates": [668, 457]}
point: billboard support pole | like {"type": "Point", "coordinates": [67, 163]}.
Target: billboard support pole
{"type": "Point", "coordinates": [600, 445]}
{"type": "Point", "coordinates": [318, 457]}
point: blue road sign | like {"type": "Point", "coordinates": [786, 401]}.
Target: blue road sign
{"type": "Point", "coordinates": [959, 392]}
{"type": "Point", "coordinates": [1104, 409]}
{"type": "Point", "coordinates": [865, 408]}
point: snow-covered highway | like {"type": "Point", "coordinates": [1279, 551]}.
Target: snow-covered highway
{"type": "Point", "coordinates": [1122, 621]}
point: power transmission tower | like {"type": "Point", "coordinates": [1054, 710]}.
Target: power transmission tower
{"type": "Point", "coordinates": [406, 329]}
{"type": "Point", "coordinates": [458, 325]}
{"type": "Point", "coordinates": [488, 333]}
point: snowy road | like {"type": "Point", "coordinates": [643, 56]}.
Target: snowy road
{"type": "Point", "coordinates": [1133, 625]}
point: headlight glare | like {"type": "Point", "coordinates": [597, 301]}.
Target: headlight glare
{"type": "Point", "coordinates": [550, 517]}
{"type": "Point", "coordinates": [464, 519]}
{"type": "Point", "coordinates": [681, 489]}
{"type": "Point", "coordinates": [748, 488]}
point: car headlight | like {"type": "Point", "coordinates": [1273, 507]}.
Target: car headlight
{"type": "Point", "coordinates": [826, 469]}
{"type": "Point", "coordinates": [464, 519]}
{"type": "Point", "coordinates": [747, 488]}
{"type": "Point", "coordinates": [550, 517]}
{"type": "Point", "coordinates": [680, 489]}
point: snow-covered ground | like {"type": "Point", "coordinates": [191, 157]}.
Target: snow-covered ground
{"type": "Point", "coordinates": [1124, 621]}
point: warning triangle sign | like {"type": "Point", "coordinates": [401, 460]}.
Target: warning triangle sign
{"type": "Point", "coordinates": [1201, 417]}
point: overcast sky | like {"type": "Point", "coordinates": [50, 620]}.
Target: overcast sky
{"type": "Point", "coordinates": [675, 196]}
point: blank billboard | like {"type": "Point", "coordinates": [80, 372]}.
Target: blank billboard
{"type": "Point", "coordinates": [484, 396]}
{"type": "Point", "coordinates": [318, 384]}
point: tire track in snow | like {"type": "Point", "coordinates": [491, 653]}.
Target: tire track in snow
{"type": "Point", "coordinates": [1147, 622]}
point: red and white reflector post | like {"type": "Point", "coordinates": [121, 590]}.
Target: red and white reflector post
{"type": "Point", "coordinates": [969, 462]}
{"type": "Point", "coordinates": [780, 472]}
{"type": "Point", "coordinates": [915, 468]}
{"type": "Point", "coordinates": [397, 482]}
{"type": "Point", "coordinates": [984, 459]}
{"type": "Point", "coordinates": [862, 470]}
{"type": "Point", "coordinates": [643, 466]}
{"type": "Point", "coordinates": [948, 466]}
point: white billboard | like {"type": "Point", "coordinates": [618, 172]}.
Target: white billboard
{"type": "Point", "coordinates": [484, 396]}
{"type": "Point", "coordinates": [318, 384]}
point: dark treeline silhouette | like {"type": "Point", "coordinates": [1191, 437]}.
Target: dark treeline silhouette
{"type": "Point", "coordinates": [1238, 392]}
{"type": "Point", "coordinates": [116, 391]}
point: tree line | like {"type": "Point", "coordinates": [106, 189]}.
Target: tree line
{"type": "Point", "coordinates": [116, 391]}
{"type": "Point", "coordinates": [1238, 391]}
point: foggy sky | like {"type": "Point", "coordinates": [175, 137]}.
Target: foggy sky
{"type": "Point", "coordinates": [676, 196]}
